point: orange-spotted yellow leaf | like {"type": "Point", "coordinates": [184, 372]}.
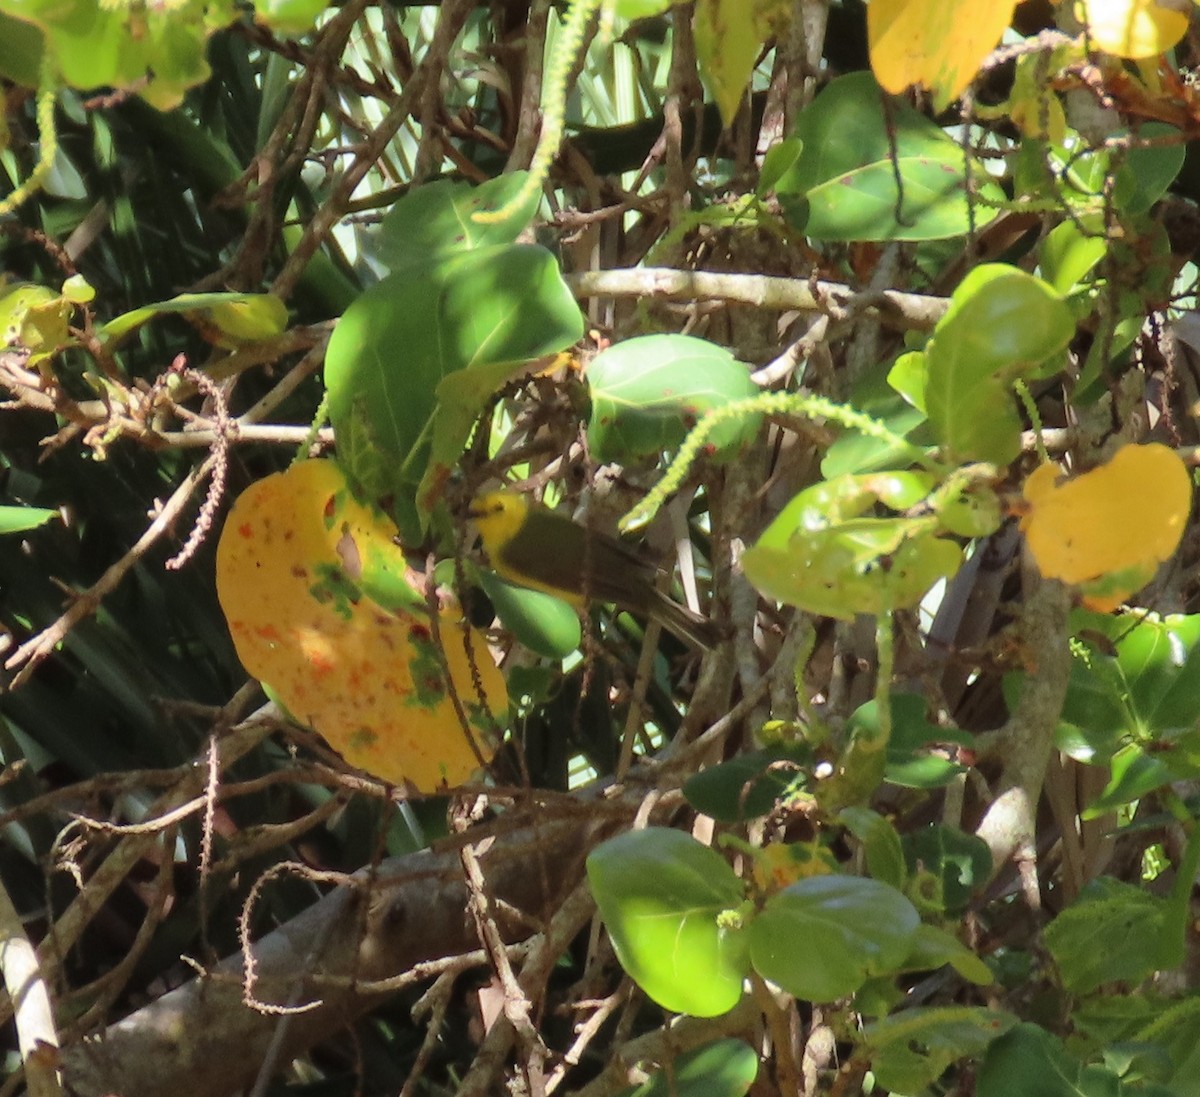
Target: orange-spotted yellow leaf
{"type": "Point", "coordinates": [1108, 529]}
{"type": "Point", "coordinates": [317, 600]}
{"type": "Point", "coordinates": [937, 43]}
{"type": "Point", "coordinates": [1134, 28]}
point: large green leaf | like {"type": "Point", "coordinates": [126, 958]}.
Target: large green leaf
{"type": "Point", "coordinates": [822, 938]}
{"type": "Point", "coordinates": [843, 186]}
{"type": "Point", "coordinates": [648, 392]}
{"type": "Point", "coordinates": [663, 896]}
{"type": "Point", "coordinates": [398, 342]}
{"type": "Point", "coordinates": [1002, 324]}
{"type": "Point", "coordinates": [726, 1068]}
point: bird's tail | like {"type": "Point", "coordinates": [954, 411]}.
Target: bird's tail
{"type": "Point", "coordinates": [691, 628]}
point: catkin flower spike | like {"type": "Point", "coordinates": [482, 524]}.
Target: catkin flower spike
{"type": "Point", "coordinates": [554, 106]}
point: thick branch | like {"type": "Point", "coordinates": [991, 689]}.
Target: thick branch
{"type": "Point", "coordinates": [202, 1040]}
{"type": "Point", "coordinates": [906, 310]}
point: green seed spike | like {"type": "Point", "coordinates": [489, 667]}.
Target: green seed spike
{"type": "Point", "coordinates": [47, 94]}
{"type": "Point", "coordinates": [554, 107]}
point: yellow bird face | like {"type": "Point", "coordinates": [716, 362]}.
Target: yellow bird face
{"type": "Point", "coordinates": [498, 515]}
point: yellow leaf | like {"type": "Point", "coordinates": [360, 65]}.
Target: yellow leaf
{"type": "Point", "coordinates": [1109, 528]}
{"type": "Point", "coordinates": [1134, 28]}
{"type": "Point", "coordinates": [369, 679]}
{"type": "Point", "coordinates": [937, 43]}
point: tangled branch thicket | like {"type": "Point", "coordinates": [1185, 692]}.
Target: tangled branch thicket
{"type": "Point", "coordinates": [216, 897]}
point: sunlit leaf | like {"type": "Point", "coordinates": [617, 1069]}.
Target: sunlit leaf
{"type": "Point", "coordinates": [236, 318]}
{"type": "Point", "coordinates": [662, 896]}
{"type": "Point", "coordinates": [23, 519]}
{"type": "Point", "coordinates": [647, 392]}
{"type": "Point", "coordinates": [729, 37]}
{"type": "Point", "coordinates": [936, 43]}
{"type": "Point", "coordinates": [843, 185]}
{"type": "Point", "coordinates": [1124, 518]}
{"type": "Point", "coordinates": [294, 563]}
{"type": "Point", "coordinates": [1134, 28]}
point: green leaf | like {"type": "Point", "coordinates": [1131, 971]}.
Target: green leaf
{"type": "Point", "coordinates": [855, 452]}
{"type": "Point", "coordinates": [881, 844]}
{"type": "Point", "coordinates": [1002, 324]}
{"type": "Point", "coordinates": [1135, 681]}
{"type": "Point", "coordinates": [98, 46]}
{"type": "Point", "coordinates": [820, 555]}
{"type": "Point", "coordinates": [750, 785]}
{"type": "Point", "coordinates": [640, 9]}
{"type": "Point", "coordinates": [1146, 173]}
{"type": "Point", "coordinates": [397, 342]}
{"type": "Point", "coordinates": [543, 623]}
{"type": "Point", "coordinates": [726, 1068]}
{"type": "Point", "coordinates": [22, 519]}
{"type": "Point", "coordinates": [648, 392]}
{"type": "Point", "coordinates": [933, 947]}
{"type": "Point", "coordinates": [909, 762]}
{"type": "Point", "coordinates": [780, 158]}
{"type": "Point", "coordinates": [911, 1050]}
{"type": "Point", "coordinates": [843, 186]}
{"type": "Point", "coordinates": [661, 895]}
{"type": "Point", "coordinates": [822, 938]}
{"type": "Point", "coordinates": [240, 317]}
{"type": "Point", "coordinates": [1071, 251]}
{"type": "Point", "coordinates": [21, 45]}
{"type": "Point", "coordinates": [1112, 932]}
{"type": "Point", "coordinates": [1029, 1060]}
{"type": "Point", "coordinates": [955, 864]}
{"type": "Point", "coordinates": [436, 218]}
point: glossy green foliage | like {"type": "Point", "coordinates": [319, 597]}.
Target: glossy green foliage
{"type": "Point", "coordinates": [1002, 324]}
{"type": "Point", "coordinates": [1028, 1059]}
{"type": "Point", "coordinates": [1112, 932]}
{"type": "Point", "coordinates": [750, 785]}
{"type": "Point", "coordinates": [459, 313]}
{"type": "Point", "coordinates": [843, 185]}
{"type": "Point", "coordinates": [648, 392]}
{"type": "Point", "coordinates": [663, 896]}
{"type": "Point", "coordinates": [1135, 687]}
{"type": "Point", "coordinates": [437, 219]}
{"type": "Point", "coordinates": [911, 1050]}
{"type": "Point", "coordinates": [543, 623]}
{"type": "Point", "coordinates": [822, 938]}
{"type": "Point", "coordinates": [726, 1068]}
{"type": "Point", "coordinates": [825, 552]}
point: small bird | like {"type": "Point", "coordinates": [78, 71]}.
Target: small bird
{"type": "Point", "coordinates": [534, 547]}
